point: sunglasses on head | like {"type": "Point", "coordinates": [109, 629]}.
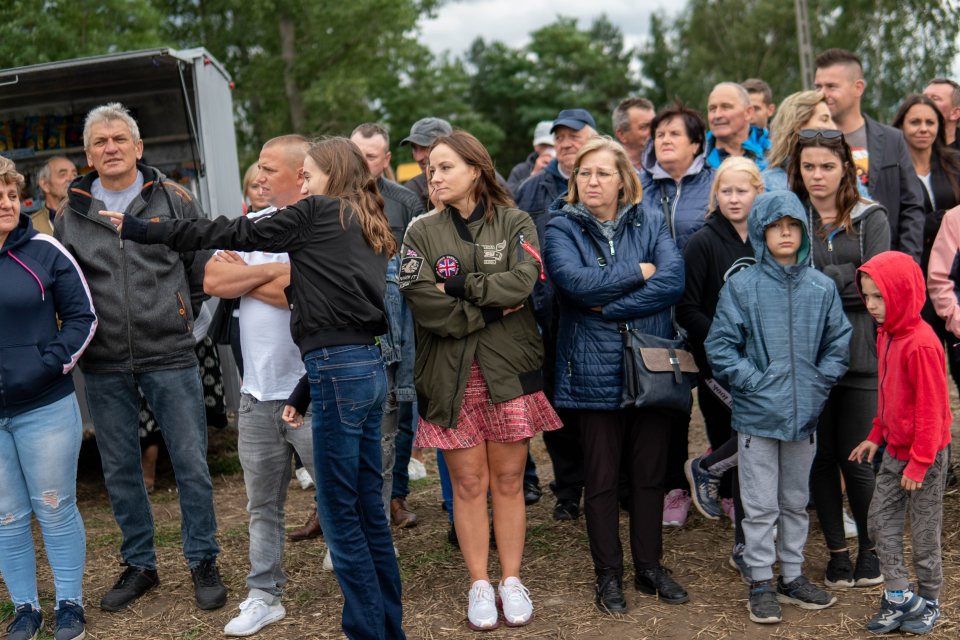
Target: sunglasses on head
{"type": "Point", "coordinates": [826, 134]}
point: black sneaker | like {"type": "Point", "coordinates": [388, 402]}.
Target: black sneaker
{"type": "Point", "coordinates": [209, 591]}
{"type": "Point", "coordinates": [26, 623]}
{"type": "Point", "coordinates": [762, 604]}
{"type": "Point", "coordinates": [804, 594]}
{"type": "Point", "coordinates": [868, 569]}
{"type": "Point", "coordinates": [531, 493]}
{"type": "Point", "coordinates": [657, 581]}
{"type": "Point", "coordinates": [566, 510]}
{"type": "Point", "coordinates": [133, 583]}
{"type": "Point", "coordinates": [610, 592]}
{"type": "Point", "coordinates": [839, 571]}
{"type": "Point", "coordinates": [70, 621]}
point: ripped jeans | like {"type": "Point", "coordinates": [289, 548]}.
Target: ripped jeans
{"type": "Point", "coordinates": [38, 476]}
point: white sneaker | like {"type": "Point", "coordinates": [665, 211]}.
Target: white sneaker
{"type": "Point", "coordinates": [482, 607]}
{"type": "Point", "coordinates": [303, 477]}
{"type": "Point", "coordinates": [849, 525]}
{"type": "Point", "coordinates": [255, 614]}
{"type": "Point", "coordinates": [416, 470]}
{"type": "Point", "coordinates": [515, 602]}
{"type": "Point", "coordinates": [327, 561]}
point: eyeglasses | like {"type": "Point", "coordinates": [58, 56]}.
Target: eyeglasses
{"type": "Point", "coordinates": [813, 134]}
{"type": "Point", "coordinates": [602, 176]}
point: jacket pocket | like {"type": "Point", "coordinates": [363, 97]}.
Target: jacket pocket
{"type": "Point", "coordinates": [182, 312]}
{"type": "Point", "coordinates": [25, 374]}
{"type": "Point", "coordinates": [812, 393]}
{"type": "Point", "coordinates": [355, 397]}
{"type": "Point", "coordinates": [765, 403]}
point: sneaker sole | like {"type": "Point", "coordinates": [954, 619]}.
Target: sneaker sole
{"type": "Point", "coordinates": [654, 592]}
{"type": "Point", "coordinates": [268, 620]}
{"type": "Point", "coordinates": [812, 606]}
{"type": "Point", "coordinates": [841, 584]}
{"type": "Point", "coordinates": [475, 627]}
{"type": "Point", "coordinates": [688, 471]}
{"type": "Point", "coordinates": [868, 582]}
{"type": "Point", "coordinates": [759, 620]}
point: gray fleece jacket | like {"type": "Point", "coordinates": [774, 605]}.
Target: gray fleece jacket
{"type": "Point", "coordinates": [146, 296]}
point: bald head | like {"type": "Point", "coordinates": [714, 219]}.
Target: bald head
{"type": "Point", "coordinates": [280, 169]}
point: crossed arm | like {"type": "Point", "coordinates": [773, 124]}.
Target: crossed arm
{"type": "Point", "coordinates": [227, 275]}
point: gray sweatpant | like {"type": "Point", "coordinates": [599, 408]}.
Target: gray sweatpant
{"type": "Point", "coordinates": [774, 488]}
{"type": "Point", "coordinates": [888, 510]}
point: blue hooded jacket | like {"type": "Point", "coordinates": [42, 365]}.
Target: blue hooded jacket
{"type": "Point", "coordinates": [589, 369]}
{"type": "Point", "coordinates": [780, 338]}
{"type": "Point", "coordinates": [41, 285]}
{"type": "Point", "coordinates": [755, 146]}
{"type": "Point", "coordinates": [687, 202]}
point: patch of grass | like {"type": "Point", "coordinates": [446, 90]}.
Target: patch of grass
{"type": "Point", "coordinates": [227, 465]}
{"type": "Point", "coordinates": [303, 596]}
{"type": "Point", "coordinates": [107, 540]}
{"type": "Point", "coordinates": [234, 533]}
{"type": "Point", "coordinates": [411, 565]}
{"type": "Point", "coordinates": [167, 536]}
{"type": "Point", "coordinates": [194, 632]}
{"type": "Point", "coordinates": [6, 610]}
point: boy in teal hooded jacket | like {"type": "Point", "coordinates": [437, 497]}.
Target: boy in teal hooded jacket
{"type": "Point", "coordinates": [780, 340]}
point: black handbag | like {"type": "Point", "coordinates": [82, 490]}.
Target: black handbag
{"type": "Point", "coordinates": [657, 372]}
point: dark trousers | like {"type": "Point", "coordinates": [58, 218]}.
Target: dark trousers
{"type": "Point", "coordinates": [606, 434]}
{"type": "Point", "coordinates": [565, 448]}
{"type": "Point", "coordinates": [845, 422]}
{"type": "Point", "coordinates": [723, 440]}
{"type": "Point", "coordinates": [677, 452]}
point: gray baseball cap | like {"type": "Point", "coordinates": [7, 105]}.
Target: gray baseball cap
{"type": "Point", "coordinates": [426, 130]}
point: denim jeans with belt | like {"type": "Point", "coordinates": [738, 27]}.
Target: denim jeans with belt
{"type": "Point", "coordinates": [38, 476]}
{"type": "Point", "coordinates": [176, 398]}
{"type": "Point", "coordinates": [265, 443]}
{"type": "Point", "coordinates": [348, 387]}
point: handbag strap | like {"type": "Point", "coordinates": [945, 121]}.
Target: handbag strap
{"type": "Point", "coordinates": [675, 364]}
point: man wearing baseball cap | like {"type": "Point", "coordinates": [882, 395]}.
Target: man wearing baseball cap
{"type": "Point", "coordinates": [543, 153]}
{"type": "Point", "coordinates": [423, 133]}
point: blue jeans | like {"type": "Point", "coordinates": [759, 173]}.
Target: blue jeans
{"type": "Point", "coordinates": [348, 386]}
{"type": "Point", "coordinates": [38, 476]}
{"type": "Point", "coordinates": [176, 397]}
{"type": "Point", "coordinates": [406, 430]}
{"type": "Point", "coordinates": [265, 443]}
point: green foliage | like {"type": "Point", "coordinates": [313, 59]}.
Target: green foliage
{"type": "Point", "coordinates": [35, 31]}
{"type": "Point", "coordinates": [902, 42]}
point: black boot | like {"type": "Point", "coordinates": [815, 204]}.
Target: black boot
{"type": "Point", "coordinates": [657, 581]}
{"type": "Point", "coordinates": [610, 592]}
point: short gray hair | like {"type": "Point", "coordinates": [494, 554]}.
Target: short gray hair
{"type": "Point", "coordinates": [106, 113]}
{"type": "Point", "coordinates": [742, 93]}
{"type": "Point", "coordinates": [621, 114]}
{"type": "Point", "coordinates": [44, 173]}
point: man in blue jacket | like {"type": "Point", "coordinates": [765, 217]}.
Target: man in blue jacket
{"type": "Point", "coordinates": [731, 134]}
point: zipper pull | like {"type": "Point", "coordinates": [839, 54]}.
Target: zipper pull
{"type": "Point", "coordinates": [612, 250]}
{"type": "Point", "coordinates": [829, 244]}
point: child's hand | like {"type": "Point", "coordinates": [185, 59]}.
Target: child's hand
{"type": "Point", "coordinates": [292, 417]}
{"type": "Point", "coordinates": [864, 448]}
{"type": "Point", "coordinates": [908, 484]}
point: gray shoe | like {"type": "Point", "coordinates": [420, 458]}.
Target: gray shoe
{"type": "Point", "coordinates": [763, 605]}
{"type": "Point", "coordinates": [804, 594]}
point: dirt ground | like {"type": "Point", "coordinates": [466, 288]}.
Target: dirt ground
{"type": "Point", "coordinates": [556, 568]}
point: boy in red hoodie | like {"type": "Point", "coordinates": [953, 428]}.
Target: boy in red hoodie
{"type": "Point", "coordinates": [913, 420]}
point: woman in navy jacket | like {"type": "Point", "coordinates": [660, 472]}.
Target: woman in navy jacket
{"type": "Point", "coordinates": [611, 261]}
{"type": "Point", "coordinates": [40, 425]}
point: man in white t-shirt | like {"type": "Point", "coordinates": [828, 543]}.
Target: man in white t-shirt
{"type": "Point", "coordinates": [272, 368]}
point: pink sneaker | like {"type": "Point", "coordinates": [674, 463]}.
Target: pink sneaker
{"type": "Point", "coordinates": [676, 506]}
{"type": "Point", "coordinates": [727, 505]}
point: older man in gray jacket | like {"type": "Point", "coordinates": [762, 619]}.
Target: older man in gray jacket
{"type": "Point", "coordinates": [146, 298]}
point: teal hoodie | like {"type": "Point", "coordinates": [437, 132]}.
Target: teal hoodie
{"type": "Point", "coordinates": [779, 338]}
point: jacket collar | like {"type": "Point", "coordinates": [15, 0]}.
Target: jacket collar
{"type": "Point", "coordinates": [657, 172]}
{"type": "Point", "coordinates": [79, 196]}
{"type": "Point", "coordinates": [19, 235]}
{"type": "Point", "coordinates": [875, 142]}
{"type": "Point", "coordinates": [756, 146]}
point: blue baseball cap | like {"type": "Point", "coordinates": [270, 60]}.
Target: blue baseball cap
{"type": "Point", "coordinates": [575, 119]}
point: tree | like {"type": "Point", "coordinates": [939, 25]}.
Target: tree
{"type": "Point", "coordinates": [902, 43]}
{"type": "Point", "coordinates": [36, 31]}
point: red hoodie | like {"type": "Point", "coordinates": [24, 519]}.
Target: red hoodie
{"type": "Point", "coordinates": [913, 408]}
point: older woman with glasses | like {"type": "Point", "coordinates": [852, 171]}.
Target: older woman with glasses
{"type": "Point", "coordinates": [614, 262]}
{"type": "Point", "coordinates": [847, 231]}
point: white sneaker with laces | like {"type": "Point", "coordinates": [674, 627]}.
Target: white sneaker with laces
{"type": "Point", "coordinates": [515, 602]}
{"type": "Point", "coordinates": [303, 477]}
{"type": "Point", "coordinates": [482, 607]}
{"type": "Point", "coordinates": [255, 614]}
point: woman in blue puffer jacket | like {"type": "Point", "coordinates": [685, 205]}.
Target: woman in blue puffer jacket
{"type": "Point", "coordinates": [612, 261]}
{"type": "Point", "coordinates": [676, 182]}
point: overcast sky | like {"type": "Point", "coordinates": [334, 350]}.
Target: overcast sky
{"type": "Point", "coordinates": [459, 22]}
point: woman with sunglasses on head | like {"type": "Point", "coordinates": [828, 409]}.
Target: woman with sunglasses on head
{"type": "Point", "coordinates": [847, 231]}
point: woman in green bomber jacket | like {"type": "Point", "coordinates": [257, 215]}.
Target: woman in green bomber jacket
{"type": "Point", "coordinates": [467, 273]}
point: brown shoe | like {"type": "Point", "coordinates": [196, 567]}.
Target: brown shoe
{"type": "Point", "coordinates": [308, 531]}
{"type": "Point", "coordinates": [400, 514]}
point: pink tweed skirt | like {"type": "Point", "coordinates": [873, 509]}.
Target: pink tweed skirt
{"type": "Point", "coordinates": [481, 420]}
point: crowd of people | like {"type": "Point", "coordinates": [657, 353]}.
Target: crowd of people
{"type": "Point", "coordinates": [804, 253]}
